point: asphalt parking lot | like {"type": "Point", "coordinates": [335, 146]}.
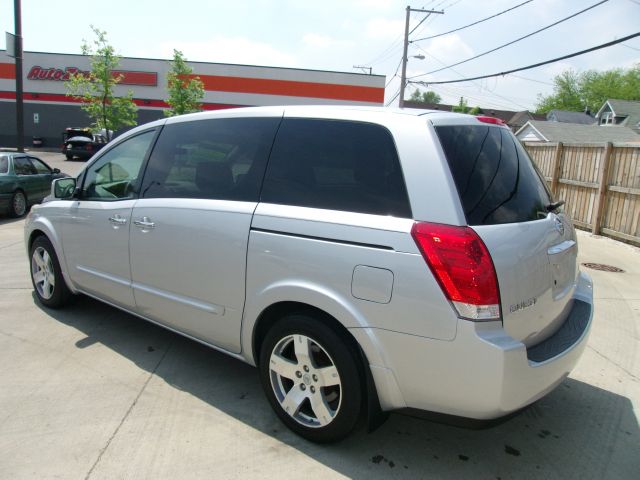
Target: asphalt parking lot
{"type": "Point", "coordinates": [91, 392]}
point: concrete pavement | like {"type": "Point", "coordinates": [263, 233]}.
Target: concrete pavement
{"type": "Point", "coordinates": [91, 392]}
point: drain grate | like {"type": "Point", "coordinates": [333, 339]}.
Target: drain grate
{"type": "Point", "coordinates": [602, 267]}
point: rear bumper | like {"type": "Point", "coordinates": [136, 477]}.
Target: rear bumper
{"type": "Point", "coordinates": [482, 374]}
{"type": "Point", "coordinates": [79, 153]}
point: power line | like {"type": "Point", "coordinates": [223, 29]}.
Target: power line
{"type": "Point", "coordinates": [419, 23]}
{"type": "Point", "coordinates": [394, 97]}
{"type": "Point", "coordinates": [514, 41]}
{"type": "Point", "coordinates": [479, 86]}
{"type": "Point", "coordinates": [395, 74]}
{"type": "Point", "coordinates": [632, 48]}
{"type": "Point", "coordinates": [540, 64]}
{"type": "Point", "coordinates": [474, 23]}
{"type": "Point", "coordinates": [533, 80]}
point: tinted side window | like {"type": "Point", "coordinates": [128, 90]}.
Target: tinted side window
{"type": "Point", "coordinates": [113, 176]}
{"type": "Point", "coordinates": [22, 166]}
{"type": "Point", "coordinates": [495, 178]}
{"type": "Point", "coordinates": [40, 167]}
{"type": "Point", "coordinates": [221, 159]}
{"type": "Point", "coordinates": [336, 165]}
{"type": "Point", "coordinates": [4, 165]}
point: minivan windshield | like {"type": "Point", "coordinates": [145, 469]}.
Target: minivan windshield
{"type": "Point", "coordinates": [496, 180]}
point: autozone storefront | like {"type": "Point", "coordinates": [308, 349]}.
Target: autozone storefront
{"type": "Point", "coordinates": [48, 111]}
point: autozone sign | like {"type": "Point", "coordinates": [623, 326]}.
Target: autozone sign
{"type": "Point", "coordinates": [63, 74]}
{"type": "Point", "coordinates": [55, 74]}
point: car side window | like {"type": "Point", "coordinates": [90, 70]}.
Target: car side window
{"type": "Point", "coordinates": [40, 167]}
{"type": "Point", "coordinates": [4, 164]}
{"type": "Point", "coordinates": [336, 165]}
{"type": "Point", "coordinates": [114, 175]}
{"type": "Point", "coordinates": [22, 166]}
{"type": "Point", "coordinates": [219, 159]}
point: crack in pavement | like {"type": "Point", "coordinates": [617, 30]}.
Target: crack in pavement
{"type": "Point", "coordinates": [614, 363]}
{"type": "Point", "coordinates": [126, 415]}
{"type": "Point", "coordinates": [11, 245]}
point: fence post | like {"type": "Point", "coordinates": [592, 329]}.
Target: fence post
{"type": "Point", "coordinates": [601, 197]}
{"type": "Point", "coordinates": [557, 167]}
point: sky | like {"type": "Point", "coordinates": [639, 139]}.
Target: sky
{"type": "Point", "coordinates": [338, 35]}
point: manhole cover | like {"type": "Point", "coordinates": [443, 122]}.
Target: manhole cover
{"type": "Point", "coordinates": [602, 267]}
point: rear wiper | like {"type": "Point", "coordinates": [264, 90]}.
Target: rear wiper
{"type": "Point", "coordinates": [554, 206]}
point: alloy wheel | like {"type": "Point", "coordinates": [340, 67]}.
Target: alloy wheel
{"type": "Point", "coordinates": [305, 381]}
{"type": "Point", "coordinates": [42, 272]}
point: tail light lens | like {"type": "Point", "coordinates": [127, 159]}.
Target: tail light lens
{"type": "Point", "coordinates": [462, 265]}
{"type": "Point", "coordinates": [89, 147]}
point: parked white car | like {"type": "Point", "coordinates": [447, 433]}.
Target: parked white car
{"type": "Point", "coordinates": [363, 259]}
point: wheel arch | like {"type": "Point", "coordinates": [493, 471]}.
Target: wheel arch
{"type": "Point", "coordinates": [43, 228]}
{"type": "Point", "coordinates": [372, 411]}
{"type": "Point", "coordinates": [274, 312]}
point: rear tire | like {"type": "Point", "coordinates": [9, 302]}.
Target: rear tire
{"type": "Point", "coordinates": [46, 274]}
{"type": "Point", "coordinates": [310, 375]}
{"type": "Point", "coordinates": [18, 205]}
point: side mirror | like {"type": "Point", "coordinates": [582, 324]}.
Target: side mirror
{"type": "Point", "coordinates": [56, 170]}
{"type": "Point", "coordinates": [63, 188]}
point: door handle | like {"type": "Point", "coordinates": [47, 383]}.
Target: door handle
{"type": "Point", "coordinates": [144, 223]}
{"type": "Point", "coordinates": [118, 220]}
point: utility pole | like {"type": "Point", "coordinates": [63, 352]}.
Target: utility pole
{"type": "Point", "coordinates": [403, 78]}
{"type": "Point", "coordinates": [19, 99]}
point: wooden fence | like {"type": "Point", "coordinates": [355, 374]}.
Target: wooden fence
{"type": "Point", "coordinates": [599, 182]}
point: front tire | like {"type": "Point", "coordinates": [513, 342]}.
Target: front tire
{"type": "Point", "coordinates": [18, 205]}
{"type": "Point", "coordinates": [311, 378]}
{"type": "Point", "coordinates": [46, 275]}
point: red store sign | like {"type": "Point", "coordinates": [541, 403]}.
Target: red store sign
{"type": "Point", "coordinates": [149, 79]}
{"type": "Point", "coordinates": [55, 74]}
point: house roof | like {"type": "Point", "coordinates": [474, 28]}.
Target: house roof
{"type": "Point", "coordinates": [520, 118]}
{"type": "Point", "coordinates": [510, 117]}
{"type": "Point", "coordinates": [623, 108]}
{"type": "Point", "coordinates": [504, 115]}
{"type": "Point", "coordinates": [576, 133]}
{"type": "Point", "coordinates": [566, 116]}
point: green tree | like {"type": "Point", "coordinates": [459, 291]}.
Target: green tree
{"type": "Point", "coordinates": [95, 89]}
{"type": "Point", "coordinates": [462, 107]}
{"type": "Point", "coordinates": [576, 91]}
{"type": "Point", "coordinates": [425, 97]}
{"type": "Point", "coordinates": [185, 91]}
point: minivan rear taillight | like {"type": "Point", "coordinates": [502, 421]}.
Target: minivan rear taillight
{"type": "Point", "coordinates": [462, 265]}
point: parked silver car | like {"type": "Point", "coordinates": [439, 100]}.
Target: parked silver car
{"type": "Point", "coordinates": [363, 259]}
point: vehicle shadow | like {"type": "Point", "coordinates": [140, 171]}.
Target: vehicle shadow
{"type": "Point", "coordinates": [5, 219]}
{"type": "Point", "coordinates": [578, 431]}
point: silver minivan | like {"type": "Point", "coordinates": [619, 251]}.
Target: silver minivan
{"type": "Point", "coordinates": [366, 260]}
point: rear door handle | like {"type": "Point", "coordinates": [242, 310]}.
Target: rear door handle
{"type": "Point", "coordinates": [118, 220]}
{"type": "Point", "coordinates": [144, 223]}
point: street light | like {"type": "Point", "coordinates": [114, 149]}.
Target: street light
{"type": "Point", "coordinates": [403, 77]}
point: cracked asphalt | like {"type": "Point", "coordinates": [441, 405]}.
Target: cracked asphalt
{"type": "Point", "coordinates": [91, 392]}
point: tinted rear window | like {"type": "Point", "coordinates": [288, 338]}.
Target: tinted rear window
{"type": "Point", "coordinates": [495, 177]}
{"type": "Point", "coordinates": [336, 165]}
